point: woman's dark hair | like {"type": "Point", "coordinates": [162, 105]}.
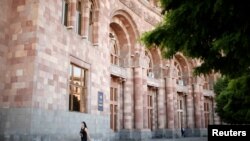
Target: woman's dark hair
{"type": "Point", "coordinates": [85, 125]}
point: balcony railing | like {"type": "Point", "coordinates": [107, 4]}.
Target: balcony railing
{"type": "Point", "coordinates": [181, 87]}
{"type": "Point", "coordinates": [118, 71]}
{"type": "Point", "coordinates": [208, 92]}
{"type": "Point", "coordinates": [153, 82]}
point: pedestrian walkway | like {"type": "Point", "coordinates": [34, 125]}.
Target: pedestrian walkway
{"type": "Point", "coordinates": [182, 139]}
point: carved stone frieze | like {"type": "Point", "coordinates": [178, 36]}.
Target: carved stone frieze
{"type": "Point", "coordinates": [139, 11]}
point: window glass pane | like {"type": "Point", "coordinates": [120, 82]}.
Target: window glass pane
{"type": "Point", "coordinates": [111, 94]}
{"type": "Point", "coordinates": [77, 93]}
{"type": "Point", "coordinates": [115, 124]}
{"type": "Point", "coordinates": [76, 75]}
{"type": "Point", "coordinates": [115, 94]}
{"type": "Point", "coordinates": [111, 109]}
{"type": "Point", "coordinates": [116, 109]}
{"type": "Point", "coordinates": [77, 72]}
{"type": "Point", "coordinates": [74, 102]}
{"type": "Point", "coordinates": [65, 13]}
{"type": "Point", "coordinates": [79, 23]}
{"type": "Point", "coordinates": [180, 104]}
{"type": "Point", "coordinates": [111, 116]}
{"type": "Point", "coordinates": [151, 103]}
{"type": "Point", "coordinates": [148, 100]}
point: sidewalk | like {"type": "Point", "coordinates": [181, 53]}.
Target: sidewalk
{"type": "Point", "coordinates": [183, 139]}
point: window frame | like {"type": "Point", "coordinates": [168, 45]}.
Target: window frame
{"type": "Point", "coordinates": [83, 86]}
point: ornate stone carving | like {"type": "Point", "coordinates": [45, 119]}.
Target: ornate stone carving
{"type": "Point", "coordinates": [138, 11]}
{"type": "Point", "coordinates": [148, 18]}
{"type": "Point", "coordinates": [132, 5]}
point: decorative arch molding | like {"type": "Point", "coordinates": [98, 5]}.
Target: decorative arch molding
{"type": "Point", "coordinates": [183, 62]}
{"type": "Point", "coordinates": [156, 55]}
{"type": "Point", "coordinates": [157, 61]}
{"type": "Point", "coordinates": [130, 25]}
{"type": "Point", "coordinates": [148, 52]}
{"type": "Point", "coordinates": [184, 66]}
{"type": "Point", "coordinates": [149, 62]}
{"type": "Point", "coordinates": [122, 40]}
{"type": "Point", "coordinates": [153, 8]}
{"type": "Point", "coordinates": [141, 12]}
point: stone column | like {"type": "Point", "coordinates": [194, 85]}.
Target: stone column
{"type": "Point", "coordinates": [128, 102]}
{"type": "Point", "coordinates": [85, 18]}
{"type": "Point", "coordinates": [197, 97]}
{"type": "Point", "coordinates": [212, 111]}
{"type": "Point", "coordinates": [72, 15]}
{"type": "Point", "coordinates": [169, 97]}
{"type": "Point", "coordinates": [145, 110]}
{"type": "Point", "coordinates": [161, 108]}
{"type": "Point", "coordinates": [138, 97]}
{"type": "Point", "coordinates": [175, 105]}
{"type": "Point", "coordinates": [190, 109]}
{"type": "Point", "coordinates": [202, 110]}
{"type": "Point", "coordinates": [128, 109]}
{"type": "Point", "coordinates": [170, 103]}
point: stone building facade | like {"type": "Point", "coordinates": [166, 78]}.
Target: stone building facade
{"type": "Point", "coordinates": [67, 61]}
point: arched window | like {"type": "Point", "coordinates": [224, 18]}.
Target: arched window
{"type": "Point", "coordinates": [114, 56]}
{"type": "Point", "coordinates": [208, 82]}
{"type": "Point", "coordinates": [149, 65]}
{"type": "Point", "coordinates": [178, 74]}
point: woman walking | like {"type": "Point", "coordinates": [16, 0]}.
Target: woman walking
{"type": "Point", "coordinates": [84, 132]}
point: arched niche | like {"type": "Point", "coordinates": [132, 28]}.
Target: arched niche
{"type": "Point", "coordinates": [126, 19]}
{"type": "Point", "coordinates": [157, 62]}
{"type": "Point", "coordinates": [181, 69]}
{"type": "Point", "coordinates": [125, 34]}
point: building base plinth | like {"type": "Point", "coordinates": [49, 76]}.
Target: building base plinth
{"type": "Point", "coordinates": [135, 135]}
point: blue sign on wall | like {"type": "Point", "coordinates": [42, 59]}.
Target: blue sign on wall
{"type": "Point", "coordinates": [100, 101]}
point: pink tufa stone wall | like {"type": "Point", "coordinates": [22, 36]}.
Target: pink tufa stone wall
{"type": "Point", "coordinates": [19, 51]}
{"type": "Point", "coordinates": [36, 50]}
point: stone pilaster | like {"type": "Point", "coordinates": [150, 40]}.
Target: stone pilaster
{"type": "Point", "coordinates": [161, 108]}
{"type": "Point", "coordinates": [170, 103]}
{"type": "Point", "coordinates": [128, 104]}
{"type": "Point", "coordinates": [202, 110]}
{"type": "Point", "coordinates": [190, 108]}
{"type": "Point", "coordinates": [138, 97]}
{"type": "Point", "coordinates": [197, 109]}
